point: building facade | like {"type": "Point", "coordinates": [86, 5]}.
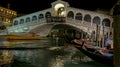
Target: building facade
{"type": "Point", "coordinates": [6, 17]}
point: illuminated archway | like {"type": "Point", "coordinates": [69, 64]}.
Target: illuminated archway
{"type": "Point", "coordinates": [59, 10]}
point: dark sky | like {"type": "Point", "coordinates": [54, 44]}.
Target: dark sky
{"type": "Point", "coordinates": [29, 6]}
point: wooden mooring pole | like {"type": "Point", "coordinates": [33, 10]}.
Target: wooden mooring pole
{"type": "Point", "coordinates": [116, 28]}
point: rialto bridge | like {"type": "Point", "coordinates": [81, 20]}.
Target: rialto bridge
{"type": "Point", "coordinates": [42, 22]}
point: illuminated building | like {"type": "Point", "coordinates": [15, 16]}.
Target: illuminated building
{"type": "Point", "coordinates": [6, 17]}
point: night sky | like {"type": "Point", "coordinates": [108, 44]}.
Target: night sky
{"type": "Point", "coordinates": [30, 6]}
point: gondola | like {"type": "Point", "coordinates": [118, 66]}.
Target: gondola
{"type": "Point", "coordinates": [93, 54]}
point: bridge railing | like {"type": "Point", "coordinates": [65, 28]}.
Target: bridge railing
{"type": "Point", "coordinates": [89, 25]}
{"type": "Point", "coordinates": [79, 23]}
{"type": "Point", "coordinates": [26, 25]}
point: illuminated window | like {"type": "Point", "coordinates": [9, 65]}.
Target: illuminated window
{"type": "Point", "coordinates": [58, 6]}
{"type": "Point", "coordinates": [59, 9]}
{"type": "Point", "coordinates": [1, 9]}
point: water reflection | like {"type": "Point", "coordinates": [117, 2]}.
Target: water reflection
{"type": "Point", "coordinates": [6, 59]}
{"type": "Point", "coordinates": [52, 54]}
{"type": "Point", "coordinates": [57, 62]}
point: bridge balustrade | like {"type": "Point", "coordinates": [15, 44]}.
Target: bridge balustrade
{"type": "Point", "coordinates": [56, 19]}
{"type": "Point", "coordinates": [85, 26]}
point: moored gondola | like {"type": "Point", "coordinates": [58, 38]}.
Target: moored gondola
{"type": "Point", "coordinates": [94, 54]}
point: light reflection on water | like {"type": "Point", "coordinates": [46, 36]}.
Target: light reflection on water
{"type": "Point", "coordinates": [51, 55]}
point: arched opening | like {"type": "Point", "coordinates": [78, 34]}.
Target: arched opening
{"type": "Point", "coordinates": [34, 18]}
{"type": "Point", "coordinates": [78, 16]}
{"type": "Point", "coordinates": [96, 20]}
{"type": "Point", "coordinates": [87, 18]}
{"type": "Point", "coordinates": [21, 21]}
{"type": "Point", "coordinates": [59, 10]}
{"type": "Point", "coordinates": [70, 15]}
{"type": "Point", "coordinates": [106, 22]}
{"type": "Point", "coordinates": [48, 16]}
{"type": "Point", "coordinates": [16, 22]}
{"type": "Point", "coordinates": [40, 16]}
{"type": "Point", "coordinates": [27, 19]}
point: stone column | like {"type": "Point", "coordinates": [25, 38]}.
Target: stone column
{"type": "Point", "coordinates": [116, 27]}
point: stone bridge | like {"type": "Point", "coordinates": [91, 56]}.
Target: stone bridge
{"type": "Point", "coordinates": [42, 22]}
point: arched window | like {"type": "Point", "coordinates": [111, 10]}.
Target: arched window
{"type": "Point", "coordinates": [70, 14]}
{"type": "Point", "coordinates": [34, 18]}
{"type": "Point", "coordinates": [61, 11]}
{"type": "Point", "coordinates": [106, 22]}
{"type": "Point", "coordinates": [96, 20]}
{"type": "Point", "coordinates": [15, 22]}
{"type": "Point", "coordinates": [87, 18]}
{"type": "Point", "coordinates": [48, 14]}
{"type": "Point", "coordinates": [40, 16]}
{"type": "Point", "coordinates": [21, 21]}
{"type": "Point", "coordinates": [78, 16]}
{"type": "Point", "coordinates": [28, 19]}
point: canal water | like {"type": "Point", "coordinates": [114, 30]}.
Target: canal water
{"type": "Point", "coordinates": [49, 52]}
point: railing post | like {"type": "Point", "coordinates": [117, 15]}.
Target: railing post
{"type": "Point", "coordinates": [103, 38]}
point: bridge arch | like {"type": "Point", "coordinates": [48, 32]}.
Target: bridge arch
{"type": "Point", "coordinates": [44, 29]}
{"type": "Point", "coordinates": [75, 17]}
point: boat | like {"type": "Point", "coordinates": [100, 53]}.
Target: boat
{"type": "Point", "coordinates": [94, 53]}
